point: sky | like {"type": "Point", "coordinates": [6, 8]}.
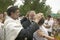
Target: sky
{"type": "Point", "coordinates": [54, 4]}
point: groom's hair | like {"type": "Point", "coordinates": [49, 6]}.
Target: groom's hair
{"type": "Point", "coordinates": [12, 9]}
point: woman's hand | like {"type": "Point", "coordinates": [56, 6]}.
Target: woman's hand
{"type": "Point", "coordinates": [41, 34]}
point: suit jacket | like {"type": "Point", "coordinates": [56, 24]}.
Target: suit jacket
{"type": "Point", "coordinates": [29, 29]}
{"type": "Point", "coordinates": [25, 22]}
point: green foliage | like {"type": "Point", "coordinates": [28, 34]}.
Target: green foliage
{"type": "Point", "coordinates": [4, 4]}
{"type": "Point", "coordinates": [55, 15]}
{"type": "Point", "coordinates": [35, 5]}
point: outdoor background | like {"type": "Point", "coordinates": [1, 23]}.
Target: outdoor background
{"type": "Point", "coordinates": [45, 6]}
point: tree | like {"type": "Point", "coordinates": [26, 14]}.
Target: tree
{"type": "Point", "coordinates": [26, 7]}
{"type": "Point", "coordinates": [35, 5]}
{"type": "Point", "coordinates": [4, 4]}
{"type": "Point", "coordinates": [47, 10]}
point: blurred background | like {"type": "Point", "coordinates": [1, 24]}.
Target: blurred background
{"type": "Point", "coordinates": [51, 7]}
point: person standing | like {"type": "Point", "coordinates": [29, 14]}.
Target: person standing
{"type": "Point", "coordinates": [27, 21]}
{"type": "Point", "coordinates": [49, 24]}
{"type": "Point", "coordinates": [14, 29]}
{"type": "Point", "coordinates": [42, 33]}
{"type": "Point", "coordinates": [1, 27]}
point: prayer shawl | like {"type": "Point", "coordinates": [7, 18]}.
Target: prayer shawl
{"type": "Point", "coordinates": [12, 28]}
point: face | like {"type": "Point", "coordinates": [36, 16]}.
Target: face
{"type": "Point", "coordinates": [39, 16]}
{"type": "Point", "coordinates": [1, 16]}
{"type": "Point", "coordinates": [31, 15]}
{"type": "Point", "coordinates": [16, 14]}
{"type": "Point", "coordinates": [58, 21]}
{"type": "Point", "coordinates": [48, 18]}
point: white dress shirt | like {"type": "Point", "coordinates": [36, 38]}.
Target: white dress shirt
{"type": "Point", "coordinates": [50, 22]}
{"type": "Point", "coordinates": [12, 28]}
{"type": "Point", "coordinates": [37, 37]}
